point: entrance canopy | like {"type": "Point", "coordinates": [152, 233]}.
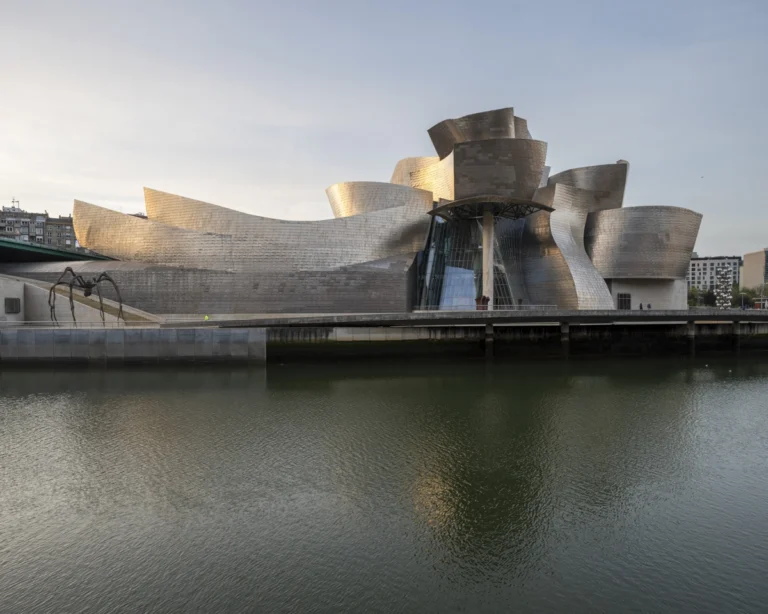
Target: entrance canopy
{"type": "Point", "coordinates": [474, 207]}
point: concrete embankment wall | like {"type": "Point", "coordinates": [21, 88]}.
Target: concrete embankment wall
{"type": "Point", "coordinates": [255, 345]}
{"type": "Point", "coordinates": [131, 345]}
{"type": "Point", "coordinates": [523, 341]}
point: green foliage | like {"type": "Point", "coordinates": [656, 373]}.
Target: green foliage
{"type": "Point", "coordinates": [701, 298]}
{"type": "Point", "coordinates": [750, 294]}
{"type": "Point", "coordinates": [693, 297]}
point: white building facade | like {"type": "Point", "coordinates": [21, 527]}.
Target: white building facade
{"type": "Point", "coordinates": [702, 271]}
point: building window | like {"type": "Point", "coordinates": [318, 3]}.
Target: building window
{"type": "Point", "coordinates": [624, 301]}
{"type": "Point", "coordinates": [13, 305]}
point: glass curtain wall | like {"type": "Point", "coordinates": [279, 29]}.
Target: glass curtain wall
{"type": "Point", "coordinates": [451, 275]}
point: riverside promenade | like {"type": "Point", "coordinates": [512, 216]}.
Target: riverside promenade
{"type": "Point", "coordinates": [257, 339]}
{"type": "Point", "coordinates": [469, 318]}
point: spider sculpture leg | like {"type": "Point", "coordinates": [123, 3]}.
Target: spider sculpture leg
{"type": "Point", "coordinates": [72, 299]}
{"type": "Point", "coordinates": [101, 303]}
{"type": "Point", "coordinates": [106, 277]}
{"type": "Point", "coordinates": [52, 292]}
{"type": "Point", "coordinates": [52, 300]}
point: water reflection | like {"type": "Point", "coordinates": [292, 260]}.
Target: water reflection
{"type": "Point", "coordinates": [381, 486]}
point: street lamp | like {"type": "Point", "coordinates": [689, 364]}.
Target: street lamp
{"type": "Point", "coordinates": [742, 300]}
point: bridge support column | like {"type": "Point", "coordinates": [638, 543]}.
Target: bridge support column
{"type": "Point", "coordinates": [565, 338]}
{"type": "Point", "coordinates": [489, 340]}
{"type": "Point", "coordinates": [691, 333]}
{"type": "Point", "coordinates": [736, 336]}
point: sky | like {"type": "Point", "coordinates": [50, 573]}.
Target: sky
{"type": "Point", "coordinates": [259, 106]}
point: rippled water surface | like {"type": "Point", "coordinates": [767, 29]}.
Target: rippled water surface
{"type": "Point", "coordinates": [581, 487]}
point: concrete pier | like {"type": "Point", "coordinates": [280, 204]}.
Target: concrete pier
{"type": "Point", "coordinates": [489, 340]}
{"type": "Point", "coordinates": [565, 338]}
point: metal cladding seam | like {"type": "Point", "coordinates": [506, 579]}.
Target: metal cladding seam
{"type": "Point", "coordinates": [356, 197]}
{"type": "Point", "coordinates": [567, 224]}
{"type": "Point", "coordinates": [608, 181]}
{"type": "Point", "coordinates": [499, 123]}
{"type": "Point", "coordinates": [260, 243]}
{"type": "Point", "coordinates": [505, 167]}
{"type": "Point", "coordinates": [642, 242]}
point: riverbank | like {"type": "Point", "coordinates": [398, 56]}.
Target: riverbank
{"type": "Point", "coordinates": [205, 345]}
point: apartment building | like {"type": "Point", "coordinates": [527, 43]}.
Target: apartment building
{"type": "Point", "coordinates": [59, 232]}
{"type": "Point", "coordinates": [702, 271]}
{"type": "Point", "coordinates": [20, 225]}
{"type": "Point", "coordinates": [755, 272]}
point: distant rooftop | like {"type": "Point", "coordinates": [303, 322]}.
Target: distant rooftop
{"type": "Point", "coordinates": [697, 257]}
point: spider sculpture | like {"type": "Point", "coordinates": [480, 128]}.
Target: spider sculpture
{"type": "Point", "coordinates": [87, 286]}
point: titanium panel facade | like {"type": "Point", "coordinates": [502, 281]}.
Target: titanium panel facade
{"type": "Point", "coordinates": [567, 223]}
{"type": "Point", "coordinates": [608, 181]}
{"type": "Point", "coordinates": [521, 128]}
{"type": "Point", "coordinates": [406, 166]}
{"type": "Point", "coordinates": [356, 197]}
{"type": "Point", "coordinates": [642, 242]}
{"type": "Point", "coordinates": [502, 167]}
{"type": "Point", "coordinates": [548, 278]}
{"type": "Point", "coordinates": [498, 124]}
{"type": "Point", "coordinates": [436, 178]}
{"type": "Point", "coordinates": [266, 244]}
{"type": "Point", "coordinates": [126, 237]}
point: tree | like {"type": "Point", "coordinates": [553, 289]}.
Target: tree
{"type": "Point", "coordinates": [750, 294]}
{"type": "Point", "coordinates": [693, 296]}
{"type": "Point", "coordinates": [708, 298]}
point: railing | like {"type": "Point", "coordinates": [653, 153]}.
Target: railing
{"type": "Point", "coordinates": [474, 307]}
{"type": "Point", "coordinates": [69, 324]}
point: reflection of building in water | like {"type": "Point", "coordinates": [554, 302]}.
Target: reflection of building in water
{"type": "Point", "coordinates": [627, 430]}
{"type": "Point", "coordinates": [482, 225]}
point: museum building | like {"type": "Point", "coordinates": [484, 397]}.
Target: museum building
{"type": "Point", "coordinates": [481, 225]}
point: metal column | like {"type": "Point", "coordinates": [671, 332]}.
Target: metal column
{"type": "Point", "coordinates": [488, 245]}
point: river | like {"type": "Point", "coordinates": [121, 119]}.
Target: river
{"type": "Point", "coordinates": [617, 486]}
